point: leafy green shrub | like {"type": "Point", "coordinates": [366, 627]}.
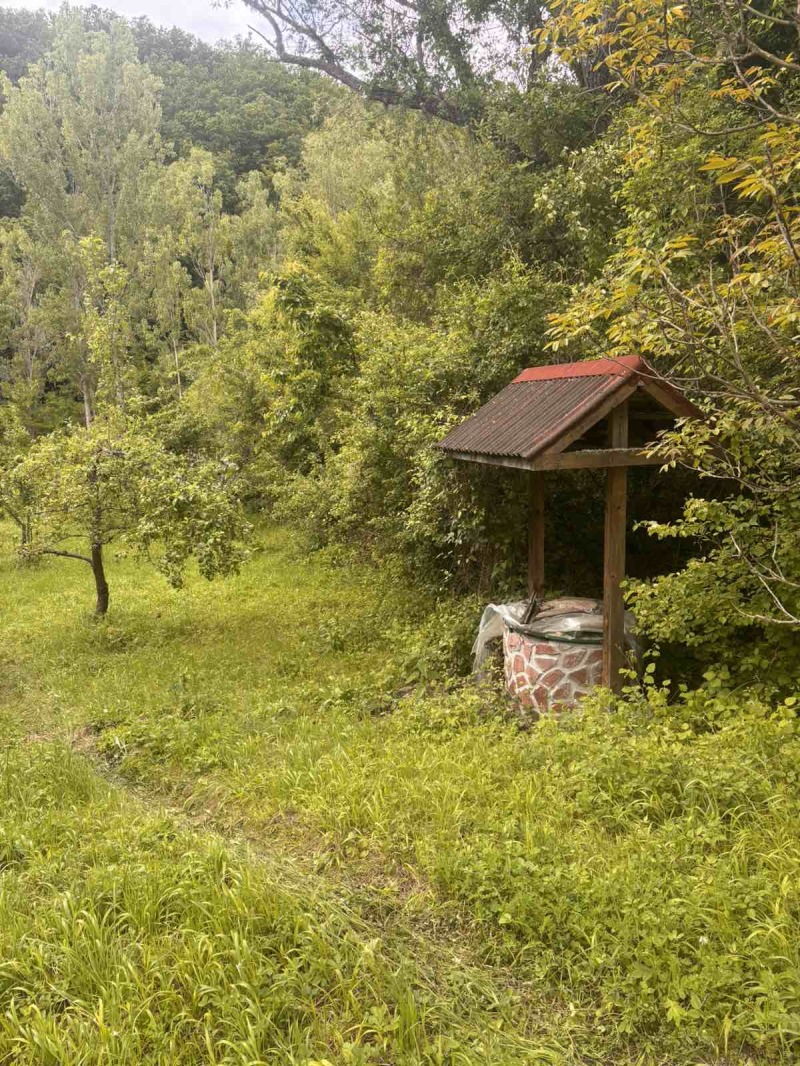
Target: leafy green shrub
{"type": "Point", "coordinates": [380, 483]}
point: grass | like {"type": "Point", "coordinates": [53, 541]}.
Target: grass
{"type": "Point", "coordinates": [620, 888]}
{"type": "Point", "coordinates": [126, 939]}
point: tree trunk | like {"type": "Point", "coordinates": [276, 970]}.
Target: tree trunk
{"type": "Point", "coordinates": [99, 580]}
{"type": "Point", "coordinates": [87, 404]}
{"type": "Point", "coordinates": [177, 369]}
{"type": "Point", "coordinates": [213, 298]}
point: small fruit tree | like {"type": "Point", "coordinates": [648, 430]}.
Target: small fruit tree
{"type": "Point", "coordinates": [116, 480]}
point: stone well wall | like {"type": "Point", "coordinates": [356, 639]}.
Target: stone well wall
{"type": "Point", "coordinates": [547, 675]}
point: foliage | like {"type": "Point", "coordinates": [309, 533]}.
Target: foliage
{"type": "Point", "coordinates": [25, 37]}
{"type": "Point", "coordinates": [14, 504]}
{"type": "Point", "coordinates": [268, 395]}
{"type": "Point", "coordinates": [222, 281]}
{"type": "Point", "coordinates": [349, 405]}
{"type": "Point", "coordinates": [442, 61]}
{"type": "Point", "coordinates": [71, 272]}
{"type": "Point", "coordinates": [322, 320]}
{"type": "Point", "coordinates": [421, 243]}
{"type": "Point", "coordinates": [703, 281]}
{"type": "Point", "coordinates": [231, 98]}
{"type": "Point", "coordinates": [115, 479]}
{"type": "Point", "coordinates": [393, 209]}
{"type": "Point", "coordinates": [95, 112]}
{"type": "Point", "coordinates": [383, 484]}
{"type": "Point", "coordinates": [394, 227]}
{"type": "Point", "coordinates": [179, 258]}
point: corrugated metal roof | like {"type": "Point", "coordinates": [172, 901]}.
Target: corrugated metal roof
{"type": "Point", "coordinates": [526, 415]}
{"type": "Point", "coordinates": [543, 403]}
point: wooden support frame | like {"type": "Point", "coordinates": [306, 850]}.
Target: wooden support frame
{"type": "Point", "coordinates": [597, 459]}
{"type": "Point", "coordinates": [614, 556]}
{"type": "Point", "coordinates": [543, 421]}
{"type": "Point", "coordinates": [536, 537]}
{"type": "Point", "coordinates": [594, 459]}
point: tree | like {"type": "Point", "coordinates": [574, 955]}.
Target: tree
{"type": "Point", "coordinates": [236, 101]}
{"type": "Point", "coordinates": [441, 57]}
{"type": "Point", "coordinates": [113, 480]}
{"type": "Point", "coordinates": [188, 205]}
{"type": "Point", "coordinates": [168, 283]}
{"type": "Point", "coordinates": [23, 266]}
{"type": "Point", "coordinates": [14, 502]}
{"type": "Point", "coordinates": [108, 230]}
{"type": "Point", "coordinates": [248, 109]}
{"type": "Point", "coordinates": [80, 136]}
{"type": "Point", "coordinates": [704, 280]}
{"type": "Point", "coordinates": [95, 111]}
{"type": "Point", "coordinates": [24, 38]}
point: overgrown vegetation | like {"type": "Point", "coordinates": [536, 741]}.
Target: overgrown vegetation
{"type": "Point", "coordinates": [127, 938]}
{"type": "Point", "coordinates": [246, 288]}
{"type": "Point", "coordinates": [640, 865]}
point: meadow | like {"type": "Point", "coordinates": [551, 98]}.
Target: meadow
{"type": "Point", "coordinates": [264, 820]}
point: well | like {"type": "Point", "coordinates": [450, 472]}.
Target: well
{"type": "Point", "coordinates": [549, 675]}
{"type": "Point", "coordinates": [601, 414]}
{"type": "Point", "coordinates": [552, 651]}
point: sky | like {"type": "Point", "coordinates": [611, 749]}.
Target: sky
{"type": "Point", "coordinates": [197, 16]}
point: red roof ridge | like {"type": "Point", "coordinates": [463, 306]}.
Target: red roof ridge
{"type": "Point", "coordinates": [623, 367]}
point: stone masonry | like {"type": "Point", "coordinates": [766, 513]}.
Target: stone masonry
{"type": "Point", "coordinates": [548, 675]}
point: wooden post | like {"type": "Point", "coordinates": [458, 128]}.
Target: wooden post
{"type": "Point", "coordinates": [614, 555]}
{"type": "Point", "coordinates": [536, 537]}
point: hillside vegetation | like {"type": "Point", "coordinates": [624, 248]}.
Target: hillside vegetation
{"type": "Point", "coordinates": [253, 807]}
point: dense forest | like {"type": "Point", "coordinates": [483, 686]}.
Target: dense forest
{"type": "Point", "coordinates": [288, 290]}
{"type": "Point", "coordinates": [249, 286]}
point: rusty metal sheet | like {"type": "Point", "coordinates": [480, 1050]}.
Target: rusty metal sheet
{"type": "Point", "coordinates": [529, 415]}
{"type": "Point", "coordinates": [544, 403]}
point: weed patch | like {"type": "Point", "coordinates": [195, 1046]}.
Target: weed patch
{"type": "Point", "coordinates": [128, 940]}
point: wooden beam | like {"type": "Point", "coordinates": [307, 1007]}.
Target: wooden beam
{"type": "Point", "coordinates": [614, 556]}
{"type": "Point", "coordinates": [590, 459]}
{"type": "Point", "coordinates": [536, 537]}
{"type": "Point", "coordinates": [596, 459]}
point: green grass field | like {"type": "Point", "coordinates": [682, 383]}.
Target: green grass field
{"type": "Point", "coordinates": [231, 832]}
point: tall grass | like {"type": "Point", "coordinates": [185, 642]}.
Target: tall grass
{"type": "Point", "coordinates": [127, 940]}
{"type": "Point", "coordinates": [639, 868]}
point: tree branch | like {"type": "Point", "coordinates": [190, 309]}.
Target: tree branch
{"type": "Point", "coordinates": [326, 61]}
{"type": "Point", "coordinates": [62, 554]}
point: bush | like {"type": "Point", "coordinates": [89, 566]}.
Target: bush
{"type": "Point", "coordinates": [646, 859]}
{"type": "Point", "coordinates": [381, 483]}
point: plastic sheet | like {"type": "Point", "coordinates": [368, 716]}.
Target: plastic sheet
{"type": "Point", "coordinates": [570, 620]}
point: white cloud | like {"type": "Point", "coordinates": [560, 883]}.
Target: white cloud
{"type": "Point", "coordinates": [197, 16]}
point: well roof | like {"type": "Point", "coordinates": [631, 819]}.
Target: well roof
{"type": "Point", "coordinates": [538, 410]}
